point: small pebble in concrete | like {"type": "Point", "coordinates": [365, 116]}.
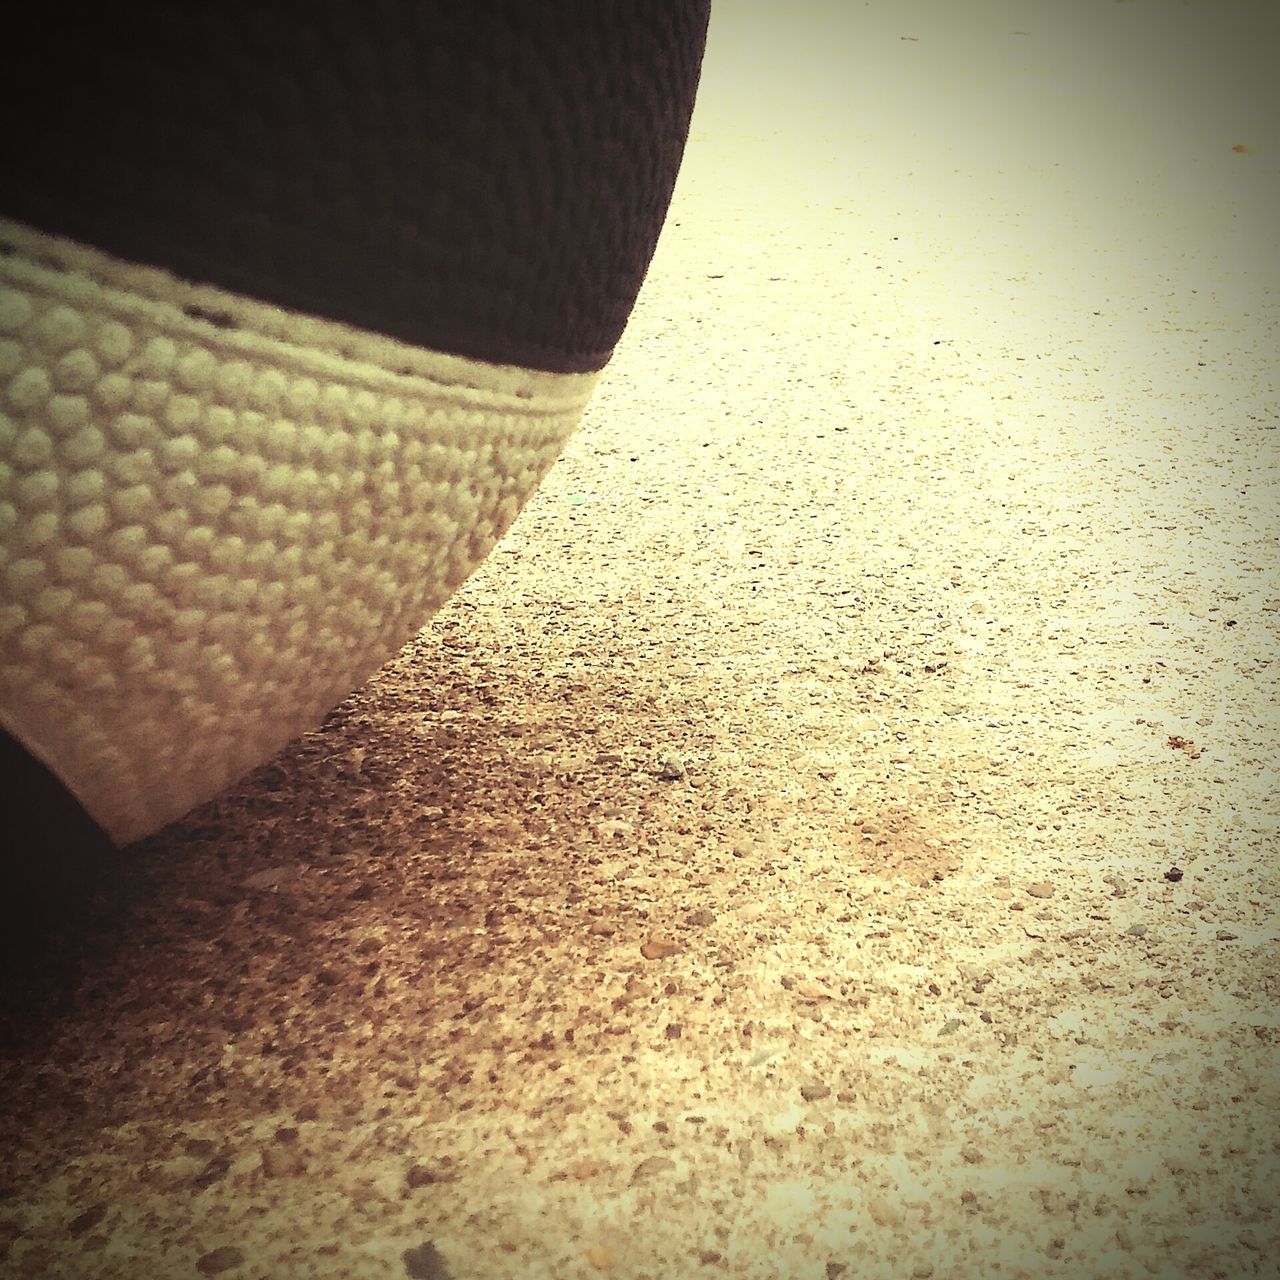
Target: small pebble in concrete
{"type": "Point", "coordinates": [283, 1161]}
{"type": "Point", "coordinates": [600, 1256]}
{"type": "Point", "coordinates": [670, 768]}
{"type": "Point", "coordinates": [651, 1167]}
{"type": "Point", "coordinates": [86, 1221]}
{"type": "Point", "coordinates": [213, 1172]}
{"type": "Point", "coordinates": [884, 1213]}
{"type": "Point", "coordinates": [813, 991]}
{"type": "Point", "coordinates": [219, 1260]}
{"type": "Point", "coordinates": [658, 948]}
{"type": "Point", "coordinates": [422, 1175]}
{"type": "Point", "coordinates": [425, 1263]}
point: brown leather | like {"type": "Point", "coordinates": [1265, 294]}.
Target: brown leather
{"type": "Point", "coordinates": [484, 177]}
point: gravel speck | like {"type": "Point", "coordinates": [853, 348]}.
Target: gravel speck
{"type": "Point", "coordinates": [670, 768]}
{"type": "Point", "coordinates": [219, 1260]}
{"type": "Point", "coordinates": [425, 1263]}
{"type": "Point", "coordinates": [283, 1161]}
{"type": "Point", "coordinates": [86, 1221]}
{"type": "Point", "coordinates": [650, 1168]}
{"type": "Point", "coordinates": [213, 1172]}
{"type": "Point", "coordinates": [658, 948]}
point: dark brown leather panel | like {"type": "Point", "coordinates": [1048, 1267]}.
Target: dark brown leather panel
{"type": "Point", "coordinates": [485, 177]}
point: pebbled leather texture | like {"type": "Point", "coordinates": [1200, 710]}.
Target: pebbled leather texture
{"type": "Point", "coordinates": [210, 533]}
{"type": "Point", "coordinates": [487, 178]}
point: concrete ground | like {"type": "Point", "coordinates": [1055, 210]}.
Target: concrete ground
{"type": "Point", "coordinates": [835, 833]}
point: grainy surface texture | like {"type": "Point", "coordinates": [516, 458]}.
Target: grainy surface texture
{"type": "Point", "coordinates": [835, 834]}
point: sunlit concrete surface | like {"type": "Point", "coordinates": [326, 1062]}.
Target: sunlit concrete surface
{"type": "Point", "coordinates": [835, 833]}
